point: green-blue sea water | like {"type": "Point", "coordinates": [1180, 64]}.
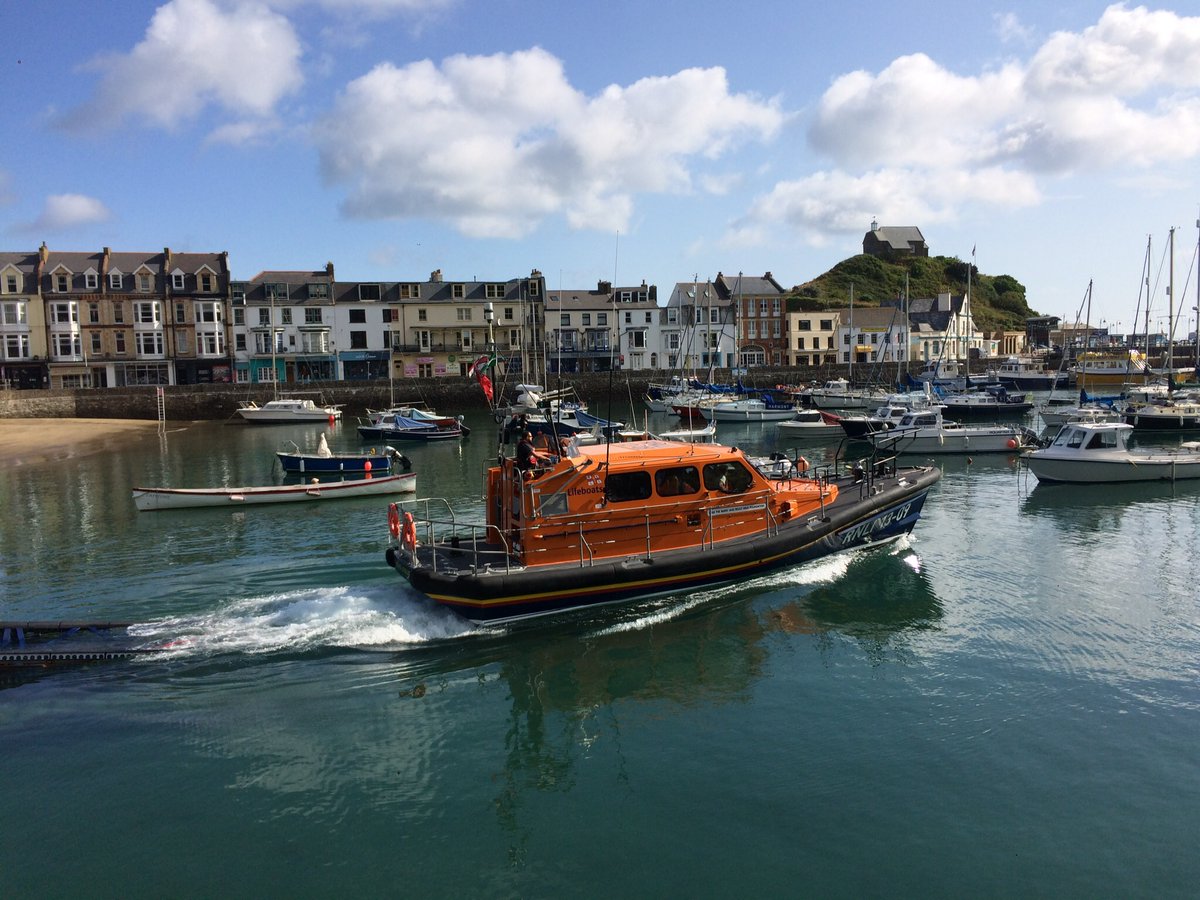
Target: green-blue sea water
{"type": "Point", "coordinates": [1005, 703]}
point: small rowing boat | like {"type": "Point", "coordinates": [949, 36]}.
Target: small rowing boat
{"type": "Point", "coordinates": [148, 499]}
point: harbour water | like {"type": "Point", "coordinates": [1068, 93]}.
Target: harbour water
{"type": "Point", "coordinates": [1006, 703]}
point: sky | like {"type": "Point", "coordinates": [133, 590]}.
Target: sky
{"type": "Point", "coordinates": [621, 141]}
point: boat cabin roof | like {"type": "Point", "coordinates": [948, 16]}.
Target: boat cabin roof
{"type": "Point", "coordinates": [1093, 435]}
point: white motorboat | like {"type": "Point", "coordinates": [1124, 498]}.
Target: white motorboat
{"type": "Point", "coordinates": [749, 409]}
{"type": "Point", "coordinates": [925, 431]}
{"type": "Point", "coordinates": [1098, 453]}
{"type": "Point", "coordinates": [815, 422]}
{"type": "Point", "coordinates": [838, 394]}
{"type": "Point", "coordinates": [148, 499]}
{"type": "Point", "coordinates": [287, 411]}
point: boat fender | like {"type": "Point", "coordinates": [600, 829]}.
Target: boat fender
{"type": "Point", "coordinates": [408, 532]}
{"type": "Point", "coordinates": [394, 520]}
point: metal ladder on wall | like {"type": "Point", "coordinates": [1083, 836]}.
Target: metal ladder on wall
{"type": "Point", "coordinates": [161, 401]}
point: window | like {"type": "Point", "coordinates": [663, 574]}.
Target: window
{"type": "Point", "coordinates": [601, 318]}
{"type": "Point", "coordinates": [534, 288]}
{"type": "Point", "coordinates": [209, 312]}
{"type": "Point", "coordinates": [276, 290]}
{"type": "Point", "coordinates": [16, 346]}
{"type": "Point", "coordinates": [239, 342]}
{"type": "Point", "coordinates": [67, 345]}
{"type": "Point", "coordinates": [358, 317]}
{"type": "Point", "coordinates": [285, 316]}
{"type": "Point", "coordinates": [494, 291]}
{"type": "Point", "coordinates": [409, 291]}
{"type": "Point", "coordinates": [727, 477]}
{"type": "Point", "coordinates": [12, 283]}
{"type": "Point", "coordinates": [239, 316]}
{"type": "Point", "coordinates": [369, 292]}
{"type": "Point", "coordinates": [115, 281]}
{"type": "Point", "coordinates": [764, 306]}
{"type": "Point", "coordinates": [144, 282]}
{"type": "Point", "coordinates": [146, 313]}
{"type": "Point", "coordinates": [626, 487]}
{"type": "Point", "coordinates": [799, 343]}
{"type": "Point", "coordinates": [264, 316]}
{"type": "Point", "coordinates": [148, 343]}
{"type": "Point", "coordinates": [586, 319]}
{"type": "Point", "coordinates": [208, 282]}
{"type": "Point", "coordinates": [63, 313]}
{"type": "Point", "coordinates": [358, 340]}
{"type": "Point", "coordinates": [776, 328]}
{"type": "Point", "coordinates": [320, 292]}
{"type": "Point", "coordinates": [177, 281]}
{"type": "Point", "coordinates": [93, 313]}
{"type": "Point", "coordinates": [508, 313]}
{"type": "Point", "coordinates": [313, 317]}
{"type": "Point", "coordinates": [95, 335]}
{"type": "Point", "coordinates": [62, 283]}
{"type": "Point", "coordinates": [237, 292]}
{"type": "Point", "coordinates": [91, 280]}
{"type": "Point", "coordinates": [211, 343]}
{"type": "Point", "coordinates": [677, 480]}
{"type": "Point", "coordinates": [181, 342]}
{"type": "Point", "coordinates": [119, 313]}
{"type": "Point", "coordinates": [120, 340]}
{"type": "Point", "coordinates": [564, 319]}
{"type": "Point", "coordinates": [672, 316]}
{"type": "Point", "coordinates": [827, 324]}
{"type": "Point", "coordinates": [458, 291]}
{"type": "Point", "coordinates": [628, 318]}
{"type": "Point", "coordinates": [465, 340]}
{"type": "Point", "coordinates": [15, 314]}
{"type": "Point", "coordinates": [804, 325]}
{"type": "Point", "coordinates": [464, 313]}
{"type": "Point", "coordinates": [649, 318]}
{"type": "Point", "coordinates": [422, 315]}
{"type": "Point", "coordinates": [637, 340]}
{"type": "Point", "coordinates": [180, 312]}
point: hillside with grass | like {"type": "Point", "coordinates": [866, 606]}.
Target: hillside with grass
{"type": "Point", "coordinates": [998, 301]}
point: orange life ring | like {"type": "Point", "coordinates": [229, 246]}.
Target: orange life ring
{"type": "Point", "coordinates": [393, 520]}
{"type": "Point", "coordinates": [408, 532]}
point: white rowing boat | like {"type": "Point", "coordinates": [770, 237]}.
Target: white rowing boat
{"type": "Point", "coordinates": [148, 499]}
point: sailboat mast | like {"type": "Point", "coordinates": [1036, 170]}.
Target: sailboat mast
{"type": "Point", "coordinates": [850, 370]}
{"type": "Point", "coordinates": [1170, 364]}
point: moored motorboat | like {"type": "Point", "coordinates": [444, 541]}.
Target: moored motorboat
{"type": "Point", "coordinates": [148, 499]}
{"type": "Point", "coordinates": [1174, 412]}
{"type": "Point", "coordinates": [288, 411]}
{"type": "Point", "coordinates": [402, 428]}
{"type": "Point", "coordinates": [612, 523]}
{"type": "Point", "coordinates": [814, 422]}
{"type": "Point", "coordinates": [1099, 453]}
{"type": "Point", "coordinates": [925, 431]}
{"type": "Point", "coordinates": [992, 400]}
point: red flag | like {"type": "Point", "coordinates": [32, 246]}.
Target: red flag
{"type": "Point", "coordinates": [485, 383]}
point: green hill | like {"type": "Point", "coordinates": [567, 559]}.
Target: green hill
{"type": "Point", "coordinates": [998, 301]}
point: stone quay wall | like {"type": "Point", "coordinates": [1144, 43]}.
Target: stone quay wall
{"type": "Point", "coordinates": [448, 395]}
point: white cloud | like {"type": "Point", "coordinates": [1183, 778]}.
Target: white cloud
{"type": "Point", "coordinates": [63, 211]}
{"type": "Point", "coordinates": [494, 145]}
{"type": "Point", "coordinates": [242, 59]}
{"type": "Point", "coordinates": [917, 142]}
{"type": "Point", "coordinates": [1010, 30]}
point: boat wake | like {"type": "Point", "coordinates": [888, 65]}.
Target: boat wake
{"type": "Point", "coordinates": [303, 621]}
{"type": "Point", "coordinates": [823, 571]}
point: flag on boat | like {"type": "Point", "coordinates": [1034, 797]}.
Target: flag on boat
{"type": "Point", "coordinates": [478, 371]}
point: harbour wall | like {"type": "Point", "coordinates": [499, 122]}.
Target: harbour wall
{"type": "Point", "coordinates": [195, 402]}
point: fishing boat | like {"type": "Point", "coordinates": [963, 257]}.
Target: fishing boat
{"type": "Point", "coordinates": [612, 523]}
{"type": "Point", "coordinates": [1099, 453]}
{"type": "Point", "coordinates": [402, 428]}
{"type": "Point", "coordinates": [287, 411]}
{"type": "Point", "coordinates": [149, 499]}
{"type": "Point", "coordinates": [926, 432]}
{"type": "Point", "coordinates": [1111, 368]}
{"type": "Point", "coordinates": [325, 461]}
{"type": "Point", "coordinates": [1027, 374]}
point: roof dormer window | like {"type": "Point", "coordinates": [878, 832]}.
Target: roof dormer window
{"type": "Point", "coordinates": [177, 281]}
{"type": "Point", "coordinates": [91, 280]}
{"type": "Point", "coordinates": [115, 281]}
{"type": "Point", "coordinates": [62, 282]}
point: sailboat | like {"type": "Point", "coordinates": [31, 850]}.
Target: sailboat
{"type": "Point", "coordinates": [1177, 411]}
{"type": "Point", "coordinates": [840, 393]}
{"type": "Point", "coordinates": [285, 410]}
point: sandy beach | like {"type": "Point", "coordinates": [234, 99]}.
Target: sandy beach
{"type": "Point", "coordinates": [32, 441]}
